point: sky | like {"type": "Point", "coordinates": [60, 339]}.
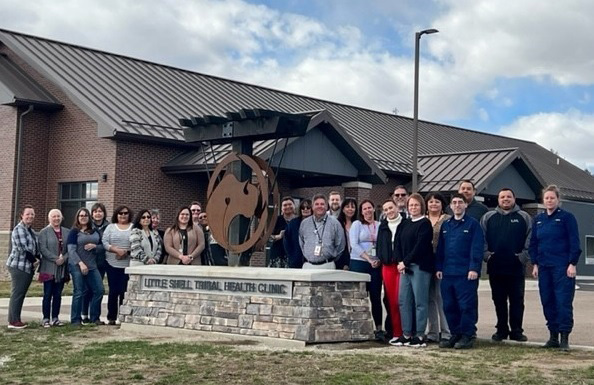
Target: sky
{"type": "Point", "coordinates": [520, 68]}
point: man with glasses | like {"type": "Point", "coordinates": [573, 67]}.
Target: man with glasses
{"type": "Point", "coordinates": [400, 197]}
{"type": "Point", "coordinates": [195, 209]}
{"type": "Point", "coordinates": [459, 259]}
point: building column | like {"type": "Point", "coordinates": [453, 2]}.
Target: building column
{"type": "Point", "coordinates": [357, 190]}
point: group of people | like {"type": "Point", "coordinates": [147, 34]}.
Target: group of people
{"type": "Point", "coordinates": [427, 255]}
{"type": "Point", "coordinates": [93, 248]}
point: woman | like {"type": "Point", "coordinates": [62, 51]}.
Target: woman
{"type": "Point", "coordinates": [99, 224]}
{"type": "Point", "coordinates": [437, 325]}
{"type": "Point", "coordinates": [348, 213]}
{"type": "Point", "coordinates": [278, 256]}
{"type": "Point", "coordinates": [21, 265]}
{"type": "Point", "coordinates": [82, 260]}
{"type": "Point", "coordinates": [416, 264]}
{"type": "Point", "coordinates": [362, 238]}
{"type": "Point", "coordinates": [145, 243]}
{"type": "Point", "coordinates": [554, 252]}
{"type": "Point", "coordinates": [155, 221]}
{"type": "Point", "coordinates": [116, 241]}
{"type": "Point", "coordinates": [53, 269]}
{"type": "Point", "coordinates": [184, 241]}
{"type": "Point", "coordinates": [217, 254]}
{"type": "Point", "coordinates": [386, 234]}
{"type": "Point", "coordinates": [291, 238]}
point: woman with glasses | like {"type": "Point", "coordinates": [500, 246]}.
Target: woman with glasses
{"type": "Point", "coordinates": [347, 215]}
{"type": "Point", "coordinates": [291, 238]}
{"type": "Point", "coordinates": [116, 241]}
{"type": "Point", "coordinates": [53, 268]}
{"type": "Point", "coordinates": [82, 260]}
{"type": "Point", "coordinates": [184, 241]}
{"type": "Point", "coordinates": [145, 243]}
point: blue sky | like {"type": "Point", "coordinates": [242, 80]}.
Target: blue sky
{"type": "Point", "coordinates": [522, 68]}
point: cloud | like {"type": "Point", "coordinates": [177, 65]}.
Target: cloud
{"type": "Point", "coordinates": [570, 133]}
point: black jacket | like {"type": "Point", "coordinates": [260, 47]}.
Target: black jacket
{"type": "Point", "coordinates": [414, 244]}
{"type": "Point", "coordinates": [385, 243]}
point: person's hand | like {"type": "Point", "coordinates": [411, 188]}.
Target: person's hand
{"type": "Point", "coordinates": [90, 246]}
{"type": "Point", "coordinates": [346, 268]}
{"type": "Point", "coordinates": [401, 268]}
{"type": "Point", "coordinates": [119, 252]}
{"type": "Point", "coordinates": [439, 275]}
{"type": "Point", "coordinates": [535, 271]}
{"type": "Point", "coordinates": [151, 261]}
{"type": "Point", "coordinates": [83, 268]}
{"type": "Point", "coordinates": [571, 271]}
{"type": "Point", "coordinates": [186, 260]}
{"type": "Point", "coordinates": [60, 260]}
{"type": "Point", "coordinates": [472, 275]}
{"type": "Point", "coordinates": [375, 263]}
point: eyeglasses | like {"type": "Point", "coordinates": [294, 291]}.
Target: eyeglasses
{"type": "Point", "coordinates": [123, 213]}
{"type": "Point", "coordinates": [306, 208]}
{"type": "Point", "coordinates": [146, 217]}
{"type": "Point", "coordinates": [196, 210]}
{"type": "Point", "coordinates": [400, 195]}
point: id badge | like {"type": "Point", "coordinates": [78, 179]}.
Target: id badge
{"type": "Point", "coordinates": [373, 253]}
{"type": "Point", "coordinates": [317, 250]}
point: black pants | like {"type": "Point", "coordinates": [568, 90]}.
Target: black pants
{"type": "Point", "coordinates": [508, 289]}
{"type": "Point", "coordinates": [117, 280]}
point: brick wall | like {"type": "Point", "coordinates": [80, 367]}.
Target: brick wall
{"type": "Point", "coordinates": [8, 130]}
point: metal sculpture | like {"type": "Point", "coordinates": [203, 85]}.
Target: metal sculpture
{"type": "Point", "coordinates": [256, 199]}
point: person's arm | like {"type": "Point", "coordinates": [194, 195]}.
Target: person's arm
{"type": "Point", "coordinates": [533, 245]}
{"type": "Point", "coordinates": [136, 250]}
{"type": "Point", "coordinates": [524, 255]}
{"type": "Point", "coordinates": [340, 241]}
{"type": "Point", "coordinates": [423, 236]}
{"type": "Point", "coordinates": [170, 248]}
{"type": "Point", "coordinates": [484, 223]}
{"type": "Point", "coordinates": [106, 238]}
{"type": "Point", "coordinates": [73, 256]}
{"type": "Point", "coordinates": [356, 248]}
{"type": "Point", "coordinates": [159, 246]}
{"type": "Point", "coordinates": [477, 248]}
{"type": "Point", "coordinates": [440, 254]}
{"type": "Point", "coordinates": [288, 241]}
{"type": "Point", "coordinates": [199, 242]}
{"type": "Point", "coordinates": [571, 228]}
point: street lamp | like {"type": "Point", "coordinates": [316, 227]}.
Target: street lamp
{"type": "Point", "coordinates": [415, 165]}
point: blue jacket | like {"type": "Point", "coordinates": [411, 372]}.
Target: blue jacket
{"type": "Point", "coordinates": [555, 239]}
{"type": "Point", "coordinates": [460, 246]}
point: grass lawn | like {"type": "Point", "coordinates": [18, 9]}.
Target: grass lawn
{"type": "Point", "coordinates": [36, 289]}
{"type": "Point", "coordinates": [107, 355]}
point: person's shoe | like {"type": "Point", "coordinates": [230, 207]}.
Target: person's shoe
{"type": "Point", "coordinates": [85, 321]}
{"type": "Point", "coordinates": [432, 339]}
{"type": "Point", "coordinates": [449, 343]}
{"type": "Point", "coordinates": [111, 322]}
{"type": "Point", "coordinates": [553, 341]}
{"type": "Point", "coordinates": [564, 344]}
{"type": "Point", "coordinates": [17, 325]}
{"type": "Point", "coordinates": [498, 337]}
{"type": "Point", "coordinates": [45, 323]}
{"type": "Point", "coordinates": [465, 342]}
{"type": "Point", "coordinates": [99, 323]}
{"type": "Point", "coordinates": [520, 337]}
{"type": "Point", "coordinates": [400, 341]}
{"type": "Point", "coordinates": [57, 322]}
{"type": "Point", "coordinates": [379, 335]}
{"type": "Point", "coordinates": [417, 342]}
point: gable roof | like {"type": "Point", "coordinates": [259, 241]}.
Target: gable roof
{"type": "Point", "coordinates": [132, 97]}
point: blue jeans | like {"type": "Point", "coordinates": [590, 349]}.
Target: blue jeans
{"type": "Point", "coordinates": [413, 299]}
{"type": "Point", "coordinates": [52, 299]}
{"type": "Point", "coordinates": [91, 282]}
{"type": "Point", "coordinates": [88, 296]}
{"type": "Point", "coordinates": [460, 304]}
{"type": "Point", "coordinates": [556, 295]}
{"type": "Point", "coordinates": [374, 287]}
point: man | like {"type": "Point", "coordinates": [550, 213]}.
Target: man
{"type": "Point", "coordinates": [278, 255]}
{"type": "Point", "coordinates": [335, 201]}
{"type": "Point", "coordinates": [195, 209]}
{"type": "Point", "coordinates": [475, 209]}
{"type": "Point", "coordinates": [507, 233]}
{"type": "Point", "coordinates": [459, 256]}
{"type": "Point", "coordinates": [400, 196]}
{"type": "Point", "coordinates": [321, 237]}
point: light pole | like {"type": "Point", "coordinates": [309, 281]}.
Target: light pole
{"type": "Point", "coordinates": [415, 165]}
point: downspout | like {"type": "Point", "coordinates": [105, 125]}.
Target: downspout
{"type": "Point", "coordinates": [17, 182]}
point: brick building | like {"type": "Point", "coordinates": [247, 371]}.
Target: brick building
{"type": "Point", "coordinates": [79, 125]}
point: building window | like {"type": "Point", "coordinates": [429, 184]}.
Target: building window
{"type": "Point", "coordinates": [75, 195]}
{"type": "Point", "coordinates": [589, 249]}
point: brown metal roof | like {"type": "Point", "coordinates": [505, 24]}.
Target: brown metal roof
{"type": "Point", "coordinates": [134, 97]}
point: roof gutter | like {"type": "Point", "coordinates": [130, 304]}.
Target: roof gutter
{"type": "Point", "coordinates": [17, 184]}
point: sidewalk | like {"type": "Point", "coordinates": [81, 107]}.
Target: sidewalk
{"type": "Point", "coordinates": [534, 322]}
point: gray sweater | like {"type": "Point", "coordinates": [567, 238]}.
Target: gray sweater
{"type": "Point", "coordinates": [76, 248]}
{"type": "Point", "coordinates": [48, 246]}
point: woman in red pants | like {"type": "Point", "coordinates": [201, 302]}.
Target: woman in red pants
{"type": "Point", "coordinates": [385, 251]}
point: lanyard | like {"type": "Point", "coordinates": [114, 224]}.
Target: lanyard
{"type": "Point", "coordinates": [316, 228]}
{"type": "Point", "coordinates": [372, 233]}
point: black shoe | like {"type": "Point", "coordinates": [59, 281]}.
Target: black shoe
{"type": "Point", "coordinates": [400, 341]}
{"type": "Point", "coordinates": [449, 344]}
{"type": "Point", "coordinates": [498, 337]}
{"type": "Point", "coordinates": [520, 337]}
{"type": "Point", "coordinates": [99, 323]}
{"type": "Point", "coordinates": [553, 341]}
{"type": "Point", "coordinates": [417, 342]}
{"type": "Point", "coordinates": [564, 344]}
{"type": "Point", "coordinates": [466, 342]}
{"type": "Point", "coordinates": [111, 322]}
{"type": "Point", "coordinates": [86, 321]}
{"type": "Point", "coordinates": [380, 336]}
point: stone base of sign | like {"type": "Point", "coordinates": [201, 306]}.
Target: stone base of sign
{"type": "Point", "coordinates": [312, 306]}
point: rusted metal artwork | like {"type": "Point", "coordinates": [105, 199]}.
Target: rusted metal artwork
{"type": "Point", "coordinates": [256, 199]}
